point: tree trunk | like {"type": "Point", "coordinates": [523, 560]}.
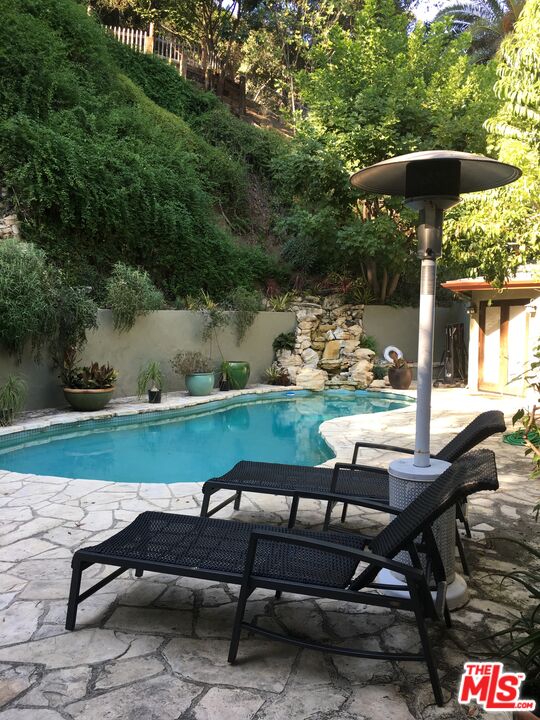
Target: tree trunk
{"type": "Point", "coordinates": [393, 284]}
{"type": "Point", "coordinates": [384, 285]}
{"type": "Point", "coordinates": [371, 273]}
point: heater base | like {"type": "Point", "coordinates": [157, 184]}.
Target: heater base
{"type": "Point", "coordinates": [407, 482]}
{"type": "Point", "coordinates": [457, 593]}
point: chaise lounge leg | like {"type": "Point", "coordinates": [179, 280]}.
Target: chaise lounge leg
{"type": "Point", "coordinates": [462, 555]}
{"type": "Point", "coordinates": [426, 644]}
{"type": "Point", "coordinates": [76, 576]}
{"type": "Point", "coordinates": [447, 618]}
{"type": "Point", "coordinates": [460, 512]}
{"type": "Point", "coordinates": [237, 627]}
{"type": "Point", "coordinates": [138, 572]}
{"type": "Point", "coordinates": [205, 504]}
{"type": "Point", "coordinates": [328, 515]}
{"type": "Point", "coordinates": [344, 512]}
{"type": "Point", "coordinates": [294, 511]}
{"type": "Point", "coordinates": [237, 499]}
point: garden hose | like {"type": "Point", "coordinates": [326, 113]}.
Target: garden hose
{"type": "Point", "coordinates": [516, 438]}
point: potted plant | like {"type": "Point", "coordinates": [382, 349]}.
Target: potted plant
{"type": "Point", "coordinates": [12, 396]}
{"type": "Point", "coordinates": [151, 375]}
{"type": "Point", "coordinates": [88, 387]}
{"type": "Point", "coordinates": [234, 375]}
{"type": "Point", "coordinates": [399, 373]}
{"type": "Point", "coordinates": [197, 371]}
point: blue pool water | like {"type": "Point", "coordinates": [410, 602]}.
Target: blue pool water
{"type": "Point", "coordinates": [193, 444]}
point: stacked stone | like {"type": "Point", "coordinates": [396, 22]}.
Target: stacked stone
{"type": "Point", "coordinates": [327, 351]}
{"type": "Point", "coordinates": [9, 223]}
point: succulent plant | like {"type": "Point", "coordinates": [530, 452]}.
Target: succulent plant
{"type": "Point", "coordinates": [86, 377]}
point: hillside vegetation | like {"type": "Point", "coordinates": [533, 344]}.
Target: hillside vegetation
{"type": "Point", "coordinates": [109, 155]}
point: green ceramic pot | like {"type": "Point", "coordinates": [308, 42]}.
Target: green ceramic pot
{"type": "Point", "coordinates": [200, 383]}
{"type": "Point", "coordinates": [88, 400]}
{"type": "Point", "coordinates": [238, 374]}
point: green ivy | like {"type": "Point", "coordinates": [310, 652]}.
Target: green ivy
{"type": "Point", "coordinates": [104, 153]}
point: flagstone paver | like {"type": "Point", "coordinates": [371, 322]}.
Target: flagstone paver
{"type": "Point", "coordinates": [156, 647]}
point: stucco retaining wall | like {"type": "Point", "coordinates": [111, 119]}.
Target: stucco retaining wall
{"type": "Point", "coordinates": [399, 327]}
{"type": "Point", "coordinates": [157, 336]}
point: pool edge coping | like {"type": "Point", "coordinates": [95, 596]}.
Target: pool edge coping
{"type": "Point", "coordinates": [183, 400]}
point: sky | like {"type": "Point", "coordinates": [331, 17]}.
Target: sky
{"type": "Point", "coordinates": [426, 9]}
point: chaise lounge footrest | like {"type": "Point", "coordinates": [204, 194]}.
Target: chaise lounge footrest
{"type": "Point", "coordinates": [216, 549]}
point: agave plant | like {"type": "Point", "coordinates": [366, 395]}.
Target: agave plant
{"type": "Point", "coordinates": [280, 303]}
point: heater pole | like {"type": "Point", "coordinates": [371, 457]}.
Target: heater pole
{"type": "Point", "coordinates": [425, 361]}
{"type": "Point", "coordinates": [429, 249]}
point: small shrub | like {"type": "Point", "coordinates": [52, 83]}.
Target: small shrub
{"type": "Point", "coordinates": [28, 294]}
{"type": "Point", "coordinates": [245, 304]}
{"type": "Point", "coordinates": [379, 372]}
{"type": "Point", "coordinates": [77, 313]}
{"type": "Point", "coordinates": [214, 315]}
{"type": "Point", "coordinates": [276, 375]}
{"type": "Point", "coordinates": [12, 397]}
{"type": "Point", "coordinates": [131, 293]}
{"type": "Point", "coordinates": [369, 342]}
{"type": "Point", "coordinates": [190, 363]}
{"type": "Point", "coordinates": [284, 341]}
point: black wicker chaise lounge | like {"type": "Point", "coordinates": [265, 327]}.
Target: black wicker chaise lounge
{"type": "Point", "coordinates": [347, 483]}
{"type": "Point", "coordinates": [316, 564]}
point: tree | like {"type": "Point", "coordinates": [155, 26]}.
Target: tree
{"type": "Point", "coordinates": [377, 90]}
{"type": "Point", "coordinates": [283, 31]}
{"type": "Point", "coordinates": [496, 232]}
{"type": "Point", "coordinates": [216, 26]}
{"type": "Point", "coordinates": [488, 21]}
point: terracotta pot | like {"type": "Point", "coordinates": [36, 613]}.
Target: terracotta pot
{"type": "Point", "coordinates": [88, 400]}
{"type": "Point", "coordinates": [400, 378]}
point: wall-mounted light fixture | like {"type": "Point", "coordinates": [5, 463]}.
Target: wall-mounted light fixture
{"type": "Point", "coordinates": [470, 309]}
{"type": "Point", "coordinates": [531, 308]}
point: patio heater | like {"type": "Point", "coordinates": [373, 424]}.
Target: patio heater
{"type": "Point", "coordinates": [431, 182]}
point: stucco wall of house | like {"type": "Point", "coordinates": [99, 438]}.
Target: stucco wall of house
{"type": "Point", "coordinates": [531, 296]}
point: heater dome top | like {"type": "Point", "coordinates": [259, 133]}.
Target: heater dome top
{"type": "Point", "coordinates": [434, 173]}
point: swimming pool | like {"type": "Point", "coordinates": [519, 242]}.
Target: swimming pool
{"type": "Point", "coordinates": [192, 444]}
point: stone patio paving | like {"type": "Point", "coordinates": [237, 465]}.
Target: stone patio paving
{"type": "Point", "coordinates": [156, 647]}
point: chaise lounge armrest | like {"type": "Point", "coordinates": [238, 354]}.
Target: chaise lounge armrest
{"type": "Point", "coordinates": [379, 446]}
{"type": "Point", "coordinates": [367, 502]}
{"type": "Point", "coordinates": [410, 572]}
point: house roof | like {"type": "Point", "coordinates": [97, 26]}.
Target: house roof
{"type": "Point", "coordinates": [465, 285]}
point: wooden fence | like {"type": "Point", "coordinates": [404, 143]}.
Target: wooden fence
{"type": "Point", "coordinates": [191, 61]}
